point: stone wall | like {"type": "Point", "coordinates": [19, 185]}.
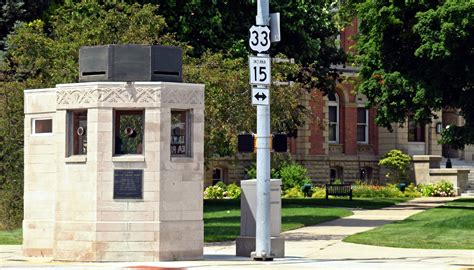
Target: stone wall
{"type": "Point", "coordinates": [427, 170]}
{"type": "Point", "coordinates": [70, 211]}
{"type": "Point", "coordinates": [40, 175]}
{"type": "Point", "coordinates": [318, 167]}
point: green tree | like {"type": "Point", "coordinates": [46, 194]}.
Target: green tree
{"type": "Point", "coordinates": [13, 11]}
{"type": "Point", "coordinates": [49, 54]}
{"type": "Point", "coordinates": [228, 110]}
{"type": "Point", "coordinates": [11, 154]}
{"type": "Point", "coordinates": [416, 58]}
{"type": "Point", "coordinates": [308, 32]}
{"type": "Point", "coordinates": [398, 163]}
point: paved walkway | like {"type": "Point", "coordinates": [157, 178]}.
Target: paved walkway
{"type": "Point", "coordinates": [314, 247]}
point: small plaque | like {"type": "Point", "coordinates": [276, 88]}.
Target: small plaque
{"type": "Point", "coordinates": [128, 184]}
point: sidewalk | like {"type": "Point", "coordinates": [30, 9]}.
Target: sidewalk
{"type": "Point", "coordinates": [306, 248]}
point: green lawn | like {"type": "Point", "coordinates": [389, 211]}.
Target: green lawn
{"type": "Point", "coordinates": [222, 217]}
{"type": "Point", "coordinates": [11, 237]}
{"type": "Point", "coordinates": [447, 227]}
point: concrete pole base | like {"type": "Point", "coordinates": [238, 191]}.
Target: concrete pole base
{"type": "Point", "coordinates": [245, 247]}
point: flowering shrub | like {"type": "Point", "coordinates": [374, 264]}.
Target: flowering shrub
{"type": "Point", "coordinates": [411, 191]}
{"type": "Point", "coordinates": [389, 191]}
{"type": "Point", "coordinates": [221, 191]}
{"type": "Point", "coordinates": [441, 189]}
{"type": "Point", "coordinates": [293, 193]}
{"type": "Point", "coordinates": [214, 192]}
{"type": "Point", "coordinates": [318, 192]}
{"type": "Point", "coordinates": [233, 191]}
{"type": "Point", "coordinates": [370, 191]}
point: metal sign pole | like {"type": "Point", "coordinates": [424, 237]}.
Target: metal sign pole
{"type": "Point", "coordinates": [263, 244]}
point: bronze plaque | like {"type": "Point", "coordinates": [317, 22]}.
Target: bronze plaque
{"type": "Point", "coordinates": [128, 184]}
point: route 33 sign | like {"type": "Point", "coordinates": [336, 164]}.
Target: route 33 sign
{"type": "Point", "coordinates": [259, 40]}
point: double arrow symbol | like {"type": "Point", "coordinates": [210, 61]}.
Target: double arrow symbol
{"type": "Point", "coordinates": [259, 96]}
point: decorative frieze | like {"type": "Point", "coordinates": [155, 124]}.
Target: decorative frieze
{"type": "Point", "coordinates": [185, 96]}
{"type": "Point", "coordinates": [108, 95]}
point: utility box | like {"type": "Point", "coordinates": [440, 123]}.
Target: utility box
{"type": "Point", "coordinates": [245, 243]}
{"type": "Point", "coordinates": [130, 63]}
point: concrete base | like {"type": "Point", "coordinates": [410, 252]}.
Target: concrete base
{"type": "Point", "coordinates": [246, 244]}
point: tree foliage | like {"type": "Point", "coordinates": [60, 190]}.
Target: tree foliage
{"type": "Point", "coordinates": [228, 110]}
{"type": "Point", "coordinates": [49, 55]}
{"type": "Point", "coordinates": [13, 11]}
{"type": "Point", "coordinates": [398, 163]}
{"type": "Point", "coordinates": [308, 32]}
{"type": "Point", "coordinates": [416, 58]}
{"type": "Point", "coordinates": [11, 154]}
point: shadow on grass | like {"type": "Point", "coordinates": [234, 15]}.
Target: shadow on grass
{"type": "Point", "coordinates": [363, 203]}
{"type": "Point", "coordinates": [211, 220]}
{"type": "Point", "coordinates": [307, 220]}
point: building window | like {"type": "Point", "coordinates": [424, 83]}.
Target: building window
{"type": "Point", "coordinates": [335, 173]}
{"type": "Point", "coordinates": [365, 174]}
{"type": "Point", "coordinates": [42, 126]}
{"type": "Point", "coordinates": [180, 134]}
{"type": "Point", "coordinates": [128, 132]}
{"type": "Point", "coordinates": [362, 125]}
{"type": "Point", "coordinates": [416, 131]}
{"type": "Point", "coordinates": [77, 132]}
{"type": "Point", "coordinates": [217, 175]}
{"type": "Point", "coordinates": [333, 111]}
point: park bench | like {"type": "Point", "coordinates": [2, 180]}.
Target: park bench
{"type": "Point", "coordinates": [339, 190]}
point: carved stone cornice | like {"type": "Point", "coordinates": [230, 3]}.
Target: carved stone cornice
{"type": "Point", "coordinates": [84, 96]}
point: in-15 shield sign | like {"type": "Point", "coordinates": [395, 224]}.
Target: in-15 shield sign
{"type": "Point", "coordinates": [259, 40]}
{"type": "Point", "coordinates": [260, 70]}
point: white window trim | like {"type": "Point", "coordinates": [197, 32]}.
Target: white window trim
{"type": "Point", "coordinates": [366, 140]}
{"type": "Point", "coordinates": [33, 127]}
{"type": "Point", "coordinates": [334, 104]}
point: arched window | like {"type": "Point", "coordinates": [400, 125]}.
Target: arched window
{"type": "Point", "coordinates": [335, 173]}
{"type": "Point", "coordinates": [217, 175]}
{"type": "Point", "coordinates": [365, 174]}
{"type": "Point", "coordinates": [362, 120]}
{"type": "Point", "coordinates": [333, 117]}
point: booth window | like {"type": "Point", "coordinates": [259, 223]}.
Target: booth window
{"type": "Point", "coordinates": [42, 126]}
{"type": "Point", "coordinates": [77, 132]}
{"type": "Point", "coordinates": [180, 134]}
{"type": "Point", "coordinates": [128, 132]}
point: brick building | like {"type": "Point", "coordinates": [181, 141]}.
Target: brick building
{"type": "Point", "coordinates": [341, 140]}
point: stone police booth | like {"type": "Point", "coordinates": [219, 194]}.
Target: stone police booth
{"type": "Point", "coordinates": [114, 164]}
